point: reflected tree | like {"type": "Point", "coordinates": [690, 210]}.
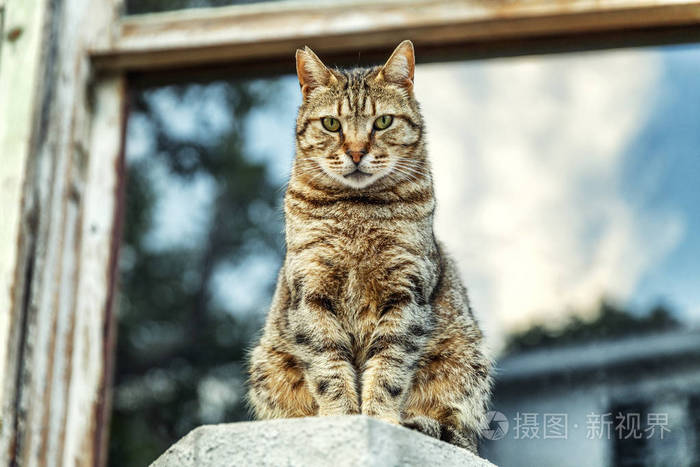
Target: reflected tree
{"type": "Point", "coordinates": [610, 322]}
{"type": "Point", "coordinates": [181, 349]}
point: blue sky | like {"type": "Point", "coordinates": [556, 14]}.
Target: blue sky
{"type": "Point", "coordinates": [567, 178]}
{"type": "Point", "coordinates": [667, 149]}
{"type": "Point", "coordinates": [560, 179]}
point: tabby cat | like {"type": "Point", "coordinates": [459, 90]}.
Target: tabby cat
{"type": "Point", "coordinates": [370, 315]}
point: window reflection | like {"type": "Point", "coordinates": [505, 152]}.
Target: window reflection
{"type": "Point", "coordinates": [566, 189]}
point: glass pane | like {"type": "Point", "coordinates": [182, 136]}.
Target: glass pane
{"type": "Point", "coordinates": [578, 236]}
{"type": "Point", "coordinates": [201, 248]}
{"type": "Point", "coordinates": [567, 192]}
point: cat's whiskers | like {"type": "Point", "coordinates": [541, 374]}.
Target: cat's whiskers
{"type": "Point", "coordinates": [415, 172]}
{"type": "Point", "coordinates": [321, 172]}
{"type": "Point", "coordinates": [309, 169]}
{"type": "Point", "coordinates": [409, 166]}
{"type": "Point", "coordinates": [405, 175]}
{"type": "Point", "coordinates": [424, 172]}
{"type": "Point", "coordinates": [284, 186]}
{"type": "Point", "coordinates": [419, 165]}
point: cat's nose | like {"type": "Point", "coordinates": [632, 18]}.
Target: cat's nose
{"type": "Point", "coordinates": [356, 156]}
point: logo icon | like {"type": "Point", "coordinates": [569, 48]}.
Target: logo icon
{"type": "Point", "coordinates": [497, 426]}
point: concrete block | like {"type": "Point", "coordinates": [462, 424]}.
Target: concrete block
{"type": "Point", "coordinates": [315, 441]}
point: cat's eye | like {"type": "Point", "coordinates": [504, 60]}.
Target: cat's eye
{"type": "Point", "coordinates": [330, 123]}
{"type": "Point", "coordinates": [383, 122]}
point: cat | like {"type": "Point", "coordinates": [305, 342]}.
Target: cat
{"type": "Point", "coordinates": [369, 315]}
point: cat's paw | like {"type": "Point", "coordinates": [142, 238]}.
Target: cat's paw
{"type": "Point", "coordinates": [426, 425]}
{"type": "Point", "coordinates": [381, 413]}
{"type": "Point", "coordinates": [341, 407]}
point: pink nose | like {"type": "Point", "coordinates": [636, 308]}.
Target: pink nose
{"type": "Point", "coordinates": [356, 155]}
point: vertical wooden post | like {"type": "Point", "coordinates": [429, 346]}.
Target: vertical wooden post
{"type": "Point", "coordinates": [20, 75]}
{"type": "Point", "coordinates": [62, 189]}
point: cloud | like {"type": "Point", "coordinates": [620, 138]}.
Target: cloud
{"type": "Point", "coordinates": [527, 156]}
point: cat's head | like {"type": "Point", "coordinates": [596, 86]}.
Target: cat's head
{"type": "Point", "coordinates": [361, 127]}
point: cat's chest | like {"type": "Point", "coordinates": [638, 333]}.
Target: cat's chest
{"type": "Point", "coordinates": [358, 266]}
{"type": "Point", "coordinates": [367, 254]}
{"type": "Point", "coordinates": [373, 265]}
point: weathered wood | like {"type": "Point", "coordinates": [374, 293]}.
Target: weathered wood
{"type": "Point", "coordinates": [268, 32]}
{"type": "Point", "coordinates": [63, 260]}
{"type": "Point", "coordinates": [91, 358]}
{"type": "Point", "coordinates": [20, 75]}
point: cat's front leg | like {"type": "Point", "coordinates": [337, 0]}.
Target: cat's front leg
{"type": "Point", "coordinates": [326, 352]}
{"type": "Point", "coordinates": [396, 345]}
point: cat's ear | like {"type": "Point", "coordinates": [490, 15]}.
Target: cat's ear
{"type": "Point", "coordinates": [400, 67]}
{"type": "Point", "coordinates": [312, 72]}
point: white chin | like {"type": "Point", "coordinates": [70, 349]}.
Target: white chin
{"type": "Point", "coordinates": [358, 179]}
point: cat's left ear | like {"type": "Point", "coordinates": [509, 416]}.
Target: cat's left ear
{"type": "Point", "coordinates": [400, 67]}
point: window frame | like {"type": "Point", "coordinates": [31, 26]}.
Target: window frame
{"type": "Point", "coordinates": [64, 149]}
{"type": "Point", "coordinates": [270, 32]}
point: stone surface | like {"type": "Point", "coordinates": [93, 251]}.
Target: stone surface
{"type": "Point", "coordinates": [318, 441]}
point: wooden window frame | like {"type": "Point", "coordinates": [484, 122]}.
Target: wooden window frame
{"type": "Point", "coordinates": [62, 123]}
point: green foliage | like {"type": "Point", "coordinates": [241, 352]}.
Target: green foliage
{"type": "Point", "coordinates": [180, 356]}
{"type": "Point", "coordinates": [610, 322]}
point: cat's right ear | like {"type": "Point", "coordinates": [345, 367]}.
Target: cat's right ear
{"type": "Point", "coordinates": [312, 72]}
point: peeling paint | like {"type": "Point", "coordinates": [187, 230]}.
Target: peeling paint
{"type": "Point", "coordinates": [56, 350]}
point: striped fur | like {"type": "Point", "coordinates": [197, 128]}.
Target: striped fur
{"type": "Point", "coordinates": [369, 315]}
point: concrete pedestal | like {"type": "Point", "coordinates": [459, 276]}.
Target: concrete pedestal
{"type": "Point", "coordinates": [318, 441]}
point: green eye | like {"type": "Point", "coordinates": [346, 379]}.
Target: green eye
{"type": "Point", "coordinates": [330, 123]}
{"type": "Point", "coordinates": [383, 122]}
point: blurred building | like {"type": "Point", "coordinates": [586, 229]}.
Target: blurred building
{"type": "Point", "coordinates": [628, 402]}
